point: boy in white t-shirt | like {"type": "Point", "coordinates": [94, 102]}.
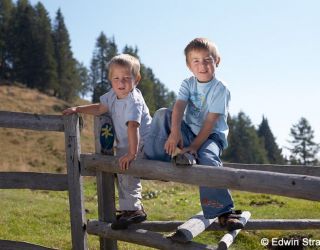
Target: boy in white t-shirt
{"type": "Point", "coordinates": [131, 121]}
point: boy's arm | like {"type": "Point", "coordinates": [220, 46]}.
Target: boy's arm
{"type": "Point", "coordinates": [133, 141]}
{"type": "Point", "coordinates": [175, 137]}
{"type": "Point", "coordinates": [204, 133]}
{"type": "Point", "coordinates": [91, 109]}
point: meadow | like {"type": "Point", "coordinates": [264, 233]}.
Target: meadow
{"type": "Point", "coordinates": [42, 217]}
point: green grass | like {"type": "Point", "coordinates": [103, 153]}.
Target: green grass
{"type": "Point", "coordinates": [42, 217]}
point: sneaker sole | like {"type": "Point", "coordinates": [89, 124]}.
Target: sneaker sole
{"type": "Point", "coordinates": [124, 225]}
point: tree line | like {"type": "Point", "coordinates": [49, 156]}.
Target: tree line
{"type": "Point", "coordinates": [251, 145]}
{"type": "Point", "coordinates": [37, 52]}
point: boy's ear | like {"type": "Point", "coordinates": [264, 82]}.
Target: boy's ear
{"type": "Point", "coordinates": [217, 61]}
{"type": "Point", "coordinates": [188, 66]}
{"type": "Point", "coordinates": [138, 78]}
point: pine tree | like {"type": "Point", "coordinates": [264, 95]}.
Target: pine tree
{"type": "Point", "coordinates": [45, 74]}
{"type": "Point", "coordinates": [244, 144]}
{"type": "Point", "coordinates": [273, 151]}
{"type": "Point", "coordinates": [105, 49]}
{"type": "Point", "coordinates": [84, 79]}
{"type": "Point", "coordinates": [6, 12]}
{"type": "Point", "coordinates": [304, 149]}
{"type": "Point", "coordinates": [21, 44]}
{"type": "Point", "coordinates": [68, 81]}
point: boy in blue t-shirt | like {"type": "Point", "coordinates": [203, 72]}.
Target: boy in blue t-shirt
{"type": "Point", "coordinates": [131, 120]}
{"type": "Point", "coordinates": [198, 126]}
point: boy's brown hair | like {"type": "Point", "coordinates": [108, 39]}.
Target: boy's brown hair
{"type": "Point", "coordinates": [202, 43]}
{"type": "Point", "coordinates": [126, 60]}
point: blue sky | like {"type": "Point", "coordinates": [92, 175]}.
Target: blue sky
{"type": "Point", "coordinates": [270, 49]}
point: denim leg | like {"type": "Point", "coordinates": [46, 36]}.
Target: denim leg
{"type": "Point", "coordinates": [159, 133]}
{"type": "Point", "coordinates": [214, 201]}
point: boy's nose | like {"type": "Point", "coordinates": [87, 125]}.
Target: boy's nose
{"type": "Point", "coordinates": [203, 64]}
{"type": "Point", "coordinates": [122, 81]}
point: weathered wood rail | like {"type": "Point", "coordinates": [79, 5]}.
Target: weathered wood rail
{"type": "Point", "coordinates": [31, 121]}
{"type": "Point", "coordinates": [290, 185]}
{"type": "Point", "coordinates": [16, 245]}
{"type": "Point", "coordinates": [252, 224]}
{"type": "Point", "coordinates": [291, 181]}
{"type": "Point", "coordinates": [40, 181]}
{"type": "Point", "coordinates": [285, 169]}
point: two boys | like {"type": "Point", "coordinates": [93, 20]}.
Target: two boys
{"type": "Point", "coordinates": [197, 125]}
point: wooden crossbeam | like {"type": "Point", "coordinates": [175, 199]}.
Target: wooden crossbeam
{"type": "Point", "coordinates": [30, 180]}
{"type": "Point", "coordinates": [192, 228]}
{"type": "Point", "coordinates": [289, 169]}
{"type": "Point", "coordinates": [252, 224]}
{"type": "Point", "coordinates": [142, 237]}
{"type": "Point", "coordinates": [290, 185]}
{"type": "Point", "coordinates": [19, 245]}
{"type": "Point", "coordinates": [31, 121]}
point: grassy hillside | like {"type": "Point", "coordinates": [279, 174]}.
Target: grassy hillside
{"type": "Point", "coordinates": [26, 150]}
{"type": "Point", "coordinates": [43, 217]}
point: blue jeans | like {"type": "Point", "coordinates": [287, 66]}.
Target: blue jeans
{"type": "Point", "coordinates": [214, 202]}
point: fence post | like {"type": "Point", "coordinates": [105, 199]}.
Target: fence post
{"type": "Point", "coordinates": [105, 189]}
{"type": "Point", "coordinates": [75, 185]}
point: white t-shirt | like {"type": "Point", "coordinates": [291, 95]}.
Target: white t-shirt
{"type": "Point", "coordinates": [131, 108]}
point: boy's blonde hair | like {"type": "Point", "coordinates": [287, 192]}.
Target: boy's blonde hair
{"type": "Point", "coordinates": [126, 60]}
{"type": "Point", "coordinates": [202, 43]}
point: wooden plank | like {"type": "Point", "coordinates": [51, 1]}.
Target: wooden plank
{"type": "Point", "coordinates": [19, 245]}
{"type": "Point", "coordinates": [31, 121]}
{"type": "Point", "coordinates": [31, 180]}
{"type": "Point", "coordinates": [229, 238]}
{"type": "Point", "coordinates": [252, 224]}
{"type": "Point", "coordinates": [141, 237]}
{"type": "Point", "coordinates": [192, 228]}
{"type": "Point", "coordinates": [288, 169]}
{"type": "Point", "coordinates": [290, 185]}
{"type": "Point", "coordinates": [77, 211]}
{"type": "Point", "coordinates": [105, 191]}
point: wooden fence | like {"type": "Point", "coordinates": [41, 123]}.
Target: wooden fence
{"type": "Point", "coordinates": [71, 182]}
{"type": "Point", "coordinates": [290, 181]}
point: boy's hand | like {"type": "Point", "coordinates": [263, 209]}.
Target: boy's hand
{"type": "Point", "coordinates": [191, 149]}
{"type": "Point", "coordinates": [174, 140]}
{"type": "Point", "coordinates": [69, 111]}
{"type": "Point", "coordinates": [124, 161]}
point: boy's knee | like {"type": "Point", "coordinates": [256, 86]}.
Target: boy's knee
{"type": "Point", "coordinates": [162, 114]}
{"type": "Point", "coordinates": [209, 158]}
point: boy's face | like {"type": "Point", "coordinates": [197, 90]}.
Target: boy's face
{"type": "Point", "coordinates": [122, 80]}
{"type": "Point", "coordinates": [202, 64]}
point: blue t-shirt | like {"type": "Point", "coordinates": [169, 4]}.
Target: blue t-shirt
{"type": "Point", "coordinates": [130, 108]}
{"type": "Point", "coordinates": [204, 98]}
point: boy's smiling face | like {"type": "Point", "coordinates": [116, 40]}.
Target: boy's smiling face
{"type": "Point", "coordinates": [202, 64]}
{"type": "Point", "coordinates": [122, 80]}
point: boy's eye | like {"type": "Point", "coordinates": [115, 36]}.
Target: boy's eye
{"type": "Point", "coordinates": [209, 60]}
